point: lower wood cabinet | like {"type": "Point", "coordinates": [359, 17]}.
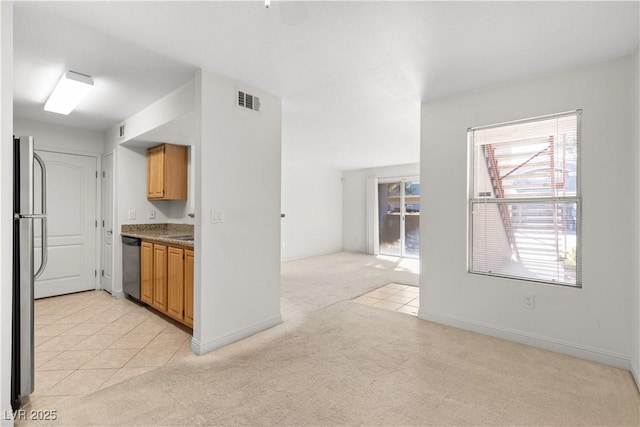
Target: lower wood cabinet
{"type": "Point", "coordinates": [167, 280]}
{"type": "Point", "coordinates": [188, 287]}
{"type": "Point", "coordinates": [175, 295]}
{"type": "Point", "coordinates": [146, 272]}
{"type": "Point", "coordinates": [160, 277]}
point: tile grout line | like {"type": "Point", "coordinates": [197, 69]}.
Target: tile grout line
{"type": "Point", "coordinates": [384, 290]}
{"type": "Point", "coordinates": [51, 309]}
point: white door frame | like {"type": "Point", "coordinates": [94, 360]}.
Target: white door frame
{"type": "Point", "coordinates": [373, 231]}
{"type": "Point", "coordinates": [103, 215]}
{"type": "Point", "coordinates": [98, 201]}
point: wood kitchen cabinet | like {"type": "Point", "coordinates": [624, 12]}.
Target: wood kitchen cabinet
{"type": "Point", "coordinates": [188, 287]}
{"type": "Point", "coordinates": [167, 280]}
{"type": "Point", "coordinates": [175, 295]}
{"type": "Point", "coordinates": [146, 272]}
{"type": "Point", "coordinates": [167, 172]}
{"type": "Point", "coordinates": [160, 277]}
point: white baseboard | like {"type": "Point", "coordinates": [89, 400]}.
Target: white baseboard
{"type": "Point", "coordinates": [571, 349]}
{"type": "Point", "coordinates": [201, 348]}
{"type": "Point", "coordinates": [118, 294]}
{"type": "Point", "coordinates": [635, 371]}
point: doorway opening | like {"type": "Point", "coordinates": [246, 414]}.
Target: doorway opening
{"type": "Point", "coordinates": [399, 218]}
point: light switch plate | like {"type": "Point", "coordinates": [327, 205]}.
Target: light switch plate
{"type": "Point", "coordinates": [132, 214]}
{"type": "Point", "coordinates": [152, 214]}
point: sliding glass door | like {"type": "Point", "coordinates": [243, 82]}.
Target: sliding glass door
{"type": "Point", "coordinates": [389, 218]}
{"type": "Point", "coordinates": [399, 218]}
{"type": "Point", "coordinates": [411, 232]}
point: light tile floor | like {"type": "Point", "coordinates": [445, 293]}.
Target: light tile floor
{"type": "Point", "coordinates": [89, 340]}
{"type": "Point", "coordinates": [394, 297]}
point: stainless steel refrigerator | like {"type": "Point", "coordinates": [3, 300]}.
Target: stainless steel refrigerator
{"type": "Point", "coordinates": [24, 273]}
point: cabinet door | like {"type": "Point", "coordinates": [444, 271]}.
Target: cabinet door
{"type": "Point", "coordinates": [146, 272]}
{"type": "Point", "coordinates": [160, 277]}
{"type": "Point", "coordinates": [188, 287]}
{"type": "Point", "coordinates": [155, 172]}
{"type": "Point", "coordinates": [175, 172]}
{"type": "Point", "coordinates": [175, 272]}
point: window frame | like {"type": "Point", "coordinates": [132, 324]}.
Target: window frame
{"type": "Point", "coordinates": [577, 199]}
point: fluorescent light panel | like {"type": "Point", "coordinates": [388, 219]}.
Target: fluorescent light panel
{"type": "Point", "coordinates": [68, 93]}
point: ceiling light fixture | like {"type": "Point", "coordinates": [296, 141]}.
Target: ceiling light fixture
{"type": "Point", "coordinates": [68, 93]}
{"type": "Point", "coordinates": [267, 3]}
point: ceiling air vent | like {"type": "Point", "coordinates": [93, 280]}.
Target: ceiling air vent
{"type": "Point", "coordinates": [248, 101]}
{"type": "Point", "coordinates": [121, 130]}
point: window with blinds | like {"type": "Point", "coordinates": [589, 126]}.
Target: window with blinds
{"type": "Point", "coordinates": [524, 199]}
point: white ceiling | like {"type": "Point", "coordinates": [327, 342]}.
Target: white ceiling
{"type": "Point", "coordinates": [351, 75]}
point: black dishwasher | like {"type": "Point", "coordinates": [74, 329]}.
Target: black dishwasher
{"type": "Point", "coordinates": [131, 267]}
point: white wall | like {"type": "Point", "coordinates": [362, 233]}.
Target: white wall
{"type": "Point", "coordinates": [237, 271]}
{"type": "Point", "coordinates": [592, 322]}
{"type": "Point", "coordinates": [132, 186]}
{"type": "Point", "coordinates": [66, 139]}
{"type": "Point", "coordinates": [132, 191]}
{"type": "Point", "coordinates": [635, 331]}
{"type": "Point", "coordinates": [354, 220]}
{"type": "Point", "coordinates": [312, 203]}
{"type": "Point", "coordinates": [6, 205]}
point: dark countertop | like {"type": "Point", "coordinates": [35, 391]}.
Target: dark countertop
{"type": "Point", "coordinates": [158, 233]}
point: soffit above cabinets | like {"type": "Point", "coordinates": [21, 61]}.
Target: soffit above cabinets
{"type": "Point", "coordinates": [181, 131]}
{"type": "Point", "coordinates": [170, 119]}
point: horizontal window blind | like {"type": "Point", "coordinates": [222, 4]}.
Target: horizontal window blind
{"type": "Point", "coordinates": [524, 199]}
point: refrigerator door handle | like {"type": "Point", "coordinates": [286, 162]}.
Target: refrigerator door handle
{"type": "Point", "coordinates": [43, 225]}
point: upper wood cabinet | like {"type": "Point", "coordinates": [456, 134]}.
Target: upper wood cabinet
{"type": "Point", "coordinates": [167, 172]}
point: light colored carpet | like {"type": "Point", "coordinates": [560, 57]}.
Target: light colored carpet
{"type": "Point", "coordinates": [336, 362]}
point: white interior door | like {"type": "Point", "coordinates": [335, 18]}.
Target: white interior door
{"type": "Point", "coordinates": [71, 209]}
{"type": "Point", "coordinates": [107, 223]}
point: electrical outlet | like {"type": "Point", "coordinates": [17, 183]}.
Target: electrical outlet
{"type": "Point", "coordinates": [529, 301]}
{"type": "Point", "coordinates": [132, 214]}
{"type": "Point", "coordinates": [217, 216]}
{"type": "Point", "coordinates": [152, 214]}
